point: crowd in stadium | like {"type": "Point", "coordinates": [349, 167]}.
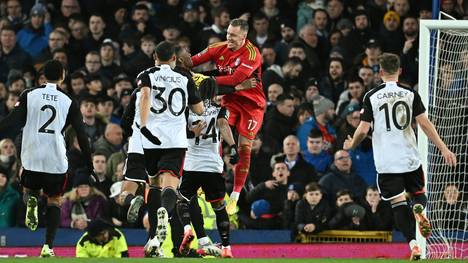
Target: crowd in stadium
{"type": "Point", "coordinates": [319, 59]}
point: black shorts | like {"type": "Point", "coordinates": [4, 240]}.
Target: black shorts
{"type": "Point", "coordinates": [164, 160]}
{"type": "Point", "coordinates": [135, 169]}
{"type": "Point", "coordinates": [395, 184]}
{"type": "Point", "coordinates": [52, 184]}
{"type": "Point", "coordinates": [213, 184]}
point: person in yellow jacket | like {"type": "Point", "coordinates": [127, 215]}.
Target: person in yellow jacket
{"type": "Point", "coordinates": [101, 240]}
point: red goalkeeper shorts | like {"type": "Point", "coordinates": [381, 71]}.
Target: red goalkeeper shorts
{"type": "Point", "coordinates": [246, 117]}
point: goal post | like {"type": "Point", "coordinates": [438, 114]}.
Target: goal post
{"type": "Point", "coordinates": [443, 87]}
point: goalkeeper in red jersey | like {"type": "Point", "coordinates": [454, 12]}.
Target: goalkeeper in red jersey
{"type": "Point", "coordinates": [237, 60]}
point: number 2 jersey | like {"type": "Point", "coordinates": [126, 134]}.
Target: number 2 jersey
{"type": "Point", "coordinates": [171, 92]}
{"type": "Point", "coordinates": [45, 112]}
{"type": "Point", "coordinates": [203, 154]}
{"type": "Point", "coordinates": [392, 108]}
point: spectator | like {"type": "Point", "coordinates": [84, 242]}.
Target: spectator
{"type": "Point", "coordinates": [221, 20]}
{"type": "Point", "coordinates": [370, 56]}
{"type": "Point", "coordinates": [101, 240]}
{"type": "Point", "coordinates": [312, 92]}
{"type": "Point", "coordinates": [354, 43]}
{"type": "Point", "coordinates": [103, 182]}
{"type": "Point", "coordinates": [304, 112]}
{"type": "Point", "coordinates": [335, 10]}
{"type": "Point", "coordinates": [306, 9]}
{"type": "Point", "coordinates": [12, 55]}
{"type": "Point", "coordinates": [341, 177]}
{"type": "Point", "coordinates": [274, 91]}
{"type": "Point", "coordinates": [367, 75]}
{"type": "Point", "coordinates": [324, 111]}
{"type": "Point", "coordinates": [140, 25]}
{"type": "Point", "coordinates": [410, 54]}
{"type": "Point", "coordinates": [279, 122]}
{"type": "Point", "coordinates": [105, 108]}
{"type": "Point", "coordinates": [260, 169]}
{"type": "Point", "coordinates": [379, 215]}
{"type": "Point", "coordinates": [295, 193]}
{"type": "Point", "coordinates": [57, 39]}
{"type": "Point", "coordinates": [77, 83]}
{"type": "Point", "coordinates": [14, 14]}
{"type": "Point", "coordinates": [144, 59]}
{"type": "Point", "coordinates": [320, 20]}
{"type": "Point", "coordinates": [9, 161]}
{"type": "Point", "coordinates": [267, 199]}
{"type": "Point", "coordinates": [82, 204]}
{"type": "Point", "coordinates": [268, 55]}
{"type": "Point", "coordinates": [121, 82]}
{"type": "Point", "coordinates": [391, 34]}
{"type": "Point", "coordinates": [33, 37]}
{"type": "Point", "coordinates": [77, 51]}
{"type": "Point", "coordinates": [288, 33]}
{"type": "Point", "coordinates": [301, 171]}
{"type": "Point", "coordinates": [94, 127]}
{"type": "Point", "coordinates": [362, 157]}
{"type": "Point", "coordinates": [312, 212]}
{"type": "Point", "coordinates": [9, 197]}
{"type": "Point", "coordinates": [191, 26]}
{"type": "Point", "coordinates": [332, 85]}
{"type": "Point", "coordinates": [61, 55]}
{"type": "Point", "coordinates": [349, 215]}
{"type": "Point", "coordinates": [286, 75]}
{"type": "Point", "coordinates": [96, 25]}
{"type": "Point", "coordinates": [315, 154]}
{"type": "Point", "coordinates": [109, 68]}
{"type": "Point", "coordinates": [94, 87]}
{"type": "Point", "coordinates": [314, 50]}
{"type": "Point", "coordinates": [353, 94]}
{"type": "Point", "coordinates": [92, 63]}
{"type": "Point", "coordinates": [402, 7]}
{"type": "Point", "coordinates": [297, 49]}
{"type": "Point", "coordinates": [455, 209]}
{"type": "Point", "coordinates": [67, 9]}
{"type": "Point", "coordinates": [260, 34]}
{"type": "Point", "coordinates": [111, 141]}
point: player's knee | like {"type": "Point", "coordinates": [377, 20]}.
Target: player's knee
{"type": "Point", "coordinates": [154, 181]}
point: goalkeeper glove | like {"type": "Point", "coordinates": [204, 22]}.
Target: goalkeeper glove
{"type": "Point", "coordinates": [147, 133]}
{"type": "Point", "coordinates": [234, 155]}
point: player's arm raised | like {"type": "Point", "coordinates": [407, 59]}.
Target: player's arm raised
{"type": "Point", "coordinates": [431, 132]}
{"type": "Point", "coordinates": [204, 56]}
{"type": "Point", "coordinates": [359, 135]}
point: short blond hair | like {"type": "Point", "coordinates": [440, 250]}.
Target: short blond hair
{"type": "Point", "coordinates": [389, 63]}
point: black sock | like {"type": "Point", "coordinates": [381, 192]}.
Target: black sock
{"type": "Point", "coordinates": [154, 202]}
{"type": "Point", "coordinates": [420, 199]}
{"type": "Point", "coordinates": [183, 211]}
{"type": "Point", "coordinates": [168, 199]}
{"type": "Point", "coordinates": [197, 218]}
{"type": "Point", "coordinates": [177, 232]}
{"type": "Point", "coordinates": [128, 199]}
{"type": "Point", "coordinates": [404, 220]}
{"type": "Point", "coordinates": [222, 222]}
{"type": "Point", "coordinates": [52, 223]}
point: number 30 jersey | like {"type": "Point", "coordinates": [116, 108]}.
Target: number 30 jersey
{"type": "Point", "coordinates": [171, 92]}
{"type": "Point", "coordinates": [392, 109]}
{"type": "Point", "coordinates": [203, 154]}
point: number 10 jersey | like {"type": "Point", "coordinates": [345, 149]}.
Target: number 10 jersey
{"type": "Point", "coordinates": [392, 109]}
{"type": "Point", "coordinates": [203, 154]}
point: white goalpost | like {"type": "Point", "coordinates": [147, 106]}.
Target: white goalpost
{"type": "Point", "coordinates": [443, 86]}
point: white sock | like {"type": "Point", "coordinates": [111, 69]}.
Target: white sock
{"type": "Point", "coordinates": [412, 243]}
{"type": "Point", "coordinates": [187, 228]}
{"type": "Point", "coordinates": [234, 196]}
{"type": "Point", "coordinates": [203, 241]}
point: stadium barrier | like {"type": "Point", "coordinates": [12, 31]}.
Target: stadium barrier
{"type": "Point", "coordinates": [345, 236]}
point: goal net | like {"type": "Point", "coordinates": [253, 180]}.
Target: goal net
{"type": "Point", "coordinates": [443, 85]}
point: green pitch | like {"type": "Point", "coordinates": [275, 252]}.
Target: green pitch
{"type": "Point", "coordinates": [213, 260]}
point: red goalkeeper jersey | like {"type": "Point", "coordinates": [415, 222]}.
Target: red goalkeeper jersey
{"type": "Point", "coordinates": [235, 67]}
